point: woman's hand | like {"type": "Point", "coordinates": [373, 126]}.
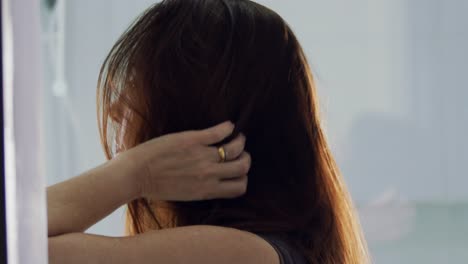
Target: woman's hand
{"type": "Point", "coordinates": [183, 166]}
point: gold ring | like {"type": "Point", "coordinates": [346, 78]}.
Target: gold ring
{"type": "Point", "coordinates": [222, 154]}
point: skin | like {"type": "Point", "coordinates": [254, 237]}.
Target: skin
{"type": "Point", "coordinates": [175, 167]}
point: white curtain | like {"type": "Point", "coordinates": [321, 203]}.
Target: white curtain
{"type": "Point", "coordinates": [26, 206]}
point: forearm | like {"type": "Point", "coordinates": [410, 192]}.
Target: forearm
{"type": "Point", "coordinates": [96, 249]}
{"type": "Point", "coordinates": [76, 204]}
{"type": "Point", "coordinates": [84, 248]}
{"type": "Point", "coordinates": [189, 244]}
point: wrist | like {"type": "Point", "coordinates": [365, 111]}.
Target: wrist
{"type": "Point", "coordinates": [128, 172]}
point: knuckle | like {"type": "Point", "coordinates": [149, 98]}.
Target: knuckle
{"type": "Point", "coordinates": [216, 135]}
{"type": "Point", "coordinates": [245, 166]}
{"type": "Point", "coordinates": [205, 191]}
{"type": "Point", "coordinates": [193, 137]}
{"type": "Point", "coordinates": [210, 134]}
{"type": "Point", "coordinates": [240, 191]}
{"type": "Point", "coordinates": [186, 142]}
{"type": "Point", "coordinates": [243, 141]}
{"type": "Point", "coordinates": [249, 158]}
{"type": "Point", "coordinates": [238, 149]}
{"type": "Point", "coordinates": [205, 194]}
{"type": "Point", "coordinates": [201, 175]}
{"type": "Point", "coordinates": [188, 151]}
{"type": "Point", "coordinates": [197, 154]}
{"type": "Point", "coordinates": [212, 190]}
{"type": "Point", "coordinates": [205, 172]}
{"type": "Point", "coordinates": [184, 138]}
{"type": "Point", "coordinates": [244, 189]}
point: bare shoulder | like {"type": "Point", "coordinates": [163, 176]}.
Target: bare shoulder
{"type": "Point", "coordinates": [200, 244]}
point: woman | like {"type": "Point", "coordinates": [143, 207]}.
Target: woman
{"type": "Point", "coordinates": [180, 70]}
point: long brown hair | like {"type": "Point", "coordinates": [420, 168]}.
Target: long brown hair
{"type": "Point", "coordinates": [186, 64]}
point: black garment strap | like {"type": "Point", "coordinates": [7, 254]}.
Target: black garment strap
{"type": "Point", "coordinates": [286, 253]}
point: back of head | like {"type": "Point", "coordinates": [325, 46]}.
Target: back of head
{"type": "Point", "coordinates": [191, 64]}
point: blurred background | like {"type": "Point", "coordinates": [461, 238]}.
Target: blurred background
{"type": "Point", "coordinates": [392, 82]}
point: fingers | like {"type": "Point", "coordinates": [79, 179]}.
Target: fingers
{"type": "Point", "coordinates": [215, 134]}
{"type": "Point", "coordinates": [235, 148]}
{"type": "Point", "coordinates": [233, 169]}
{"type": "Point", "coordinates": [232, 188]}
{"type": "Point", "coordinates": [232, 149]}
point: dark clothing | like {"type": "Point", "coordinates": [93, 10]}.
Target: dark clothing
{"type": "Point", "coordinates": [287, 253]}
